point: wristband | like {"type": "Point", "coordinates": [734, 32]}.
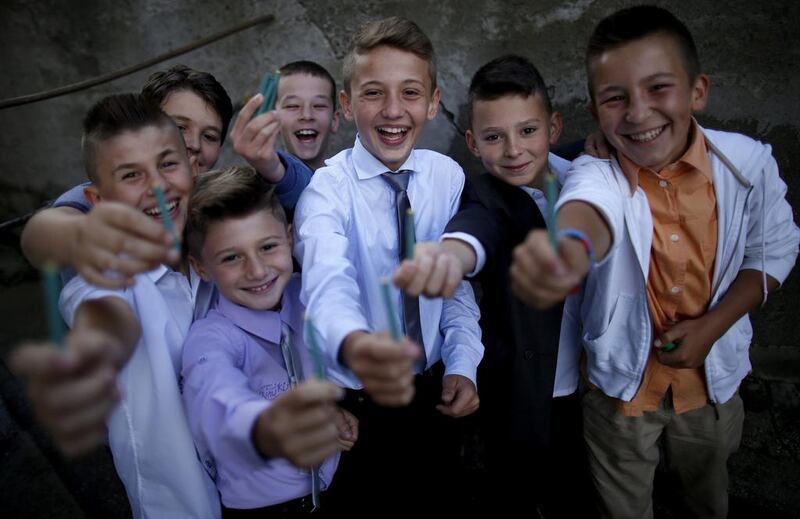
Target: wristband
{"type": "Point", "coordinates": [581, 237]}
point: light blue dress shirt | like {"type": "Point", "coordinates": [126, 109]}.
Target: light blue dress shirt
{"type": "Point", "coordinates": [346, 242]}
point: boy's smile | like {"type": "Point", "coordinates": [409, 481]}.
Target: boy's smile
{"type": "Point", "coordinates": [200, 125]}
{"type": "Point", "coordinates": [643, 100]}
{"type": "Point", "coordinates": [248, 258]}
{"type": "Point", "coordinates": [308, 116]}
{"type": "Point", "coordinates": [130, 164]}
{"type": "Point", "coordinates": [391, 99]}
{"type": "Point", "coordinates": [512, 137]}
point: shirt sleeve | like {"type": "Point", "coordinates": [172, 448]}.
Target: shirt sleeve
{"type": "Point", "coordinates": [298, 175]}
{"type": "Point", "coordinates": [220, 406]}
{"type": "Point", "coordinates": [330, 291]}
{"type": "Point", "coordinates": [592, 181]}
{"type": "Point", "coordinates": [475, 244]}
{"type": "Point", "coordinates": [74, 198]}
{"type": "Point", "coordinates": [772, 235]}
{"type": "Point", "coordinates": [461, 348]}
{"type": "Point", "coordinates": [78, 290]}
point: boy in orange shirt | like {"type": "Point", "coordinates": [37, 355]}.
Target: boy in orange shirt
{"type": "Point", "coordinates": [690, 230]}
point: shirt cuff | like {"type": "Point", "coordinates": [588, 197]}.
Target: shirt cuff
{"type": "Point", "coordinates": [477, 248]}
{"type": "Point", "coordinates": [464, 368]}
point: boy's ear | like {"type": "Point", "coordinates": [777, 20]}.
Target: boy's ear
{"type": "Point", "coordinates": [344, 100]}
{"type": "Point", "coordinates": [556, 127]}
{"type": "Point", "coordinates": [197, 265]}
{"type": "Point", "coordinates": [471, 143]}
{"type": "Point", "coordinates": [700, 92]}
{"type": "Point", "coordinates": [592, 110]}
{"type": "Point", "coordinates": [433, 106]}
{"type": "Point", "coordinates": [335, 120]}
{"type": "Point", "coordinates": [92, 194]}
{"type": "Point", "coordinates": [290, 235]}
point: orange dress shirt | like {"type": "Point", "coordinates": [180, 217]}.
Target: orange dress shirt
{"type": "Point", "coordinates": [684, 209]}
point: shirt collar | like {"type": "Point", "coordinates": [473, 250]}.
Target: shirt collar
{"type": "Point", "coordinates": [367, 166]}
{"type": "Point", "coordinates": [265, 324]}
{"type": "Point", "coordinates": [695, 157]}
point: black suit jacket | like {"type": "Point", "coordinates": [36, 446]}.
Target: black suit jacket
{"type": "Point", "coordinates": [517, 374]}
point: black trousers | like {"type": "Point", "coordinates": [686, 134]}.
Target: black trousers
{"type": "Point", "coordinates": [406, 460]}
{"type": "Point", "coordinates": [300, 507]}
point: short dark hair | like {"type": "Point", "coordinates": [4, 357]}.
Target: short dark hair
{"type": "Point", "coordinates": [310, 68]}
{"type": "Point", "coordinates": [504, 76]}
{"type": "Point", "coordinates": [219, 195]}
{"type": "Point", "coordinates": [635, 23]}
{"type": "Point", "coordinates": [395, 32]}
{"type": "Point", "coordinates": [116, 114]}
{"type": "Point", "coordinates": [180, 77]}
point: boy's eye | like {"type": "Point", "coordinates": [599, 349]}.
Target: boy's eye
{"type": "Point", "coordinates": [372, 93]}
{"type": "Point", "coordinates": [613, 99]}
{"type": "Point", "coordinates": [268, 246]}
{"type": "Point", "coordinates": [530, 130]}
{"type": "Point", "coordinates": [167, 164]}
{"type": "Point", "coordinates": [130, 175]}
{"type": "Point", "coordinates": [292, 107]}
{"type": "Point", "coordinates": [411, 92]}
{"type": "Point", "coordinates": [321, 107]}
{"type": "Point", "coordinates": [211, 137]}
{"type": "Point", "coordinates": [229, 258]}
{"type": "Point", "coordinates": [182, 127]}
{"type": "Point", "coordinates": [660, 86]}
{"type": "Point", "coordinates": [492, 137]}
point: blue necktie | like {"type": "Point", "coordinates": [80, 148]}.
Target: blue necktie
{"type": "Point", "coordinates": [399, 183]}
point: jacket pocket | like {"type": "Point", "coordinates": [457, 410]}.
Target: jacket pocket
{"type": "Point", "coordinates": [615, 343]}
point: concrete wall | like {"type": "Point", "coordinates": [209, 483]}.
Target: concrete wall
{"type": "Point", "coordinates": [750, 50]}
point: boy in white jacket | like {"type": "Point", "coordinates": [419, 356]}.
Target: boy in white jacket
{"type": "Point", "coordinates": [690, 230]}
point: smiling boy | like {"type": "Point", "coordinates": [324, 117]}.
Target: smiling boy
{"type": "Point", "coordinates": [691, 231]}
{"type": "Point", "coordinates": [348, 238]}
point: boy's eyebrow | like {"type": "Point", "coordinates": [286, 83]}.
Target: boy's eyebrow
{"type": "Point", "coordinates": [183, 118]}
{"type": "Point", "coordinates": [375, 82]}
{"type": "Point", "coordinates": [134, 165]}
{"type": "Point", "coordinates": [234, 248]}
{"type": "Point", "coordinates": [534, 120]}
{"type": "Point", "coordinates": [316, 96]}
{"type": "Point", "coordinates": [651, 77]}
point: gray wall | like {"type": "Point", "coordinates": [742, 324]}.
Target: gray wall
{"type": "Point", "coordinates": [750, 50]}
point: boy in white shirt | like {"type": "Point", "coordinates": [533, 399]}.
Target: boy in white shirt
{"type": "Point", "coordinates": [348, 238]}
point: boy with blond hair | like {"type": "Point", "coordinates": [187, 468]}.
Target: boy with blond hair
{"type": "Point", "coordinates": [349, 224]}
{"type": "Point", "coordinates": [690, 230]}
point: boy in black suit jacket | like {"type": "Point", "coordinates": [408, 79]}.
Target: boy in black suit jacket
{"type": "Point", "coordinates": [530, 412]}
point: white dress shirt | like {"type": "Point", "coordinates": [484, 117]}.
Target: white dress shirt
{"type": "Point", "coordinates": [346, 241]}
{"type": "Point", "coordinates": [148, 432]}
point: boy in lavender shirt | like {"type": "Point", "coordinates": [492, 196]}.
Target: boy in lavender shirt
{"type": "Point", "coordinates": [244, 364]}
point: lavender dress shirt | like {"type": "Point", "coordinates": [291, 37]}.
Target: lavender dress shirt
{"type": "Point", "coordinates": [232, 370]}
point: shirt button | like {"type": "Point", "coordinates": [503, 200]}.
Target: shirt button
{"type": "Point", "coordinates": [673, 237]}
{"type": "Point", "coordinates": [674, 290]}
{"type": "Point", "coordinates": [662, 183]}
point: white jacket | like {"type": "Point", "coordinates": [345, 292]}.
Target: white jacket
{"type": "Point", "coordinates": [755, 231]}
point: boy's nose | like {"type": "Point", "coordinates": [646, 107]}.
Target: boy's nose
{"type": "Point", "coordinates": [393, 108]}
{"type": "Point", "coordinates": [512, 147]}
{"type": "Point", "coordinates": [307, 113]}
{"type": "Point", "coordinates": [255, 270]}
{"type": "Point", "coordinates": [637, 112]}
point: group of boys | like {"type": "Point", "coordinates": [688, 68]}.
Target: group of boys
{"type": "Point", "coordinates": [654, 257]}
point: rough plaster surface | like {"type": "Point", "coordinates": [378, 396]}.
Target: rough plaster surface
{"type": "Point", "coordinates": [750, 50]}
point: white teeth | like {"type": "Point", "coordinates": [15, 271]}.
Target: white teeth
{"type": "Point", "coordinates": [155, 211]}
{"type": "Point", "coordinates": [260, 288]}
{"type": "Point", "coordinates": [392, 130]}
{"type": "Point", "coordinates": [646, 136]}
{"type": "Point", "coordinates": [306, 133]}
